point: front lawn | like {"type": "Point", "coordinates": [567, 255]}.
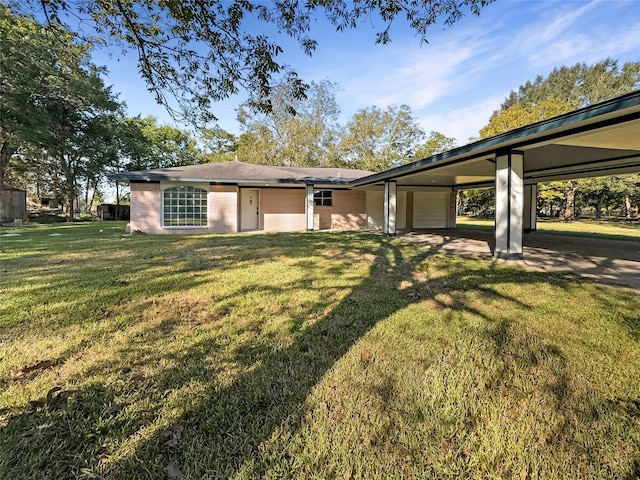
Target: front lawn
{"type": "Point", "coordinates": [319, 355]}
{"type": "Point", "coordinates": [608, 229]}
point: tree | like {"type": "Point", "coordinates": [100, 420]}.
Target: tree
{"type": "Point", "coordinates": [160, 146]}
{"type": "Point", "coordinates": [525, 113]}
{"type": "Point", "coordinates": [436, 143]}
{"type": "Point", "coordinates": [219, 145]}
{"type": "Point", "coordinates": [141, 144]}
{"type": "Point", "coordinates": [579, 85]}
{"type": "Point", "coordinates": [619, 191]}
{"type": "Point", "coordinates": [300, 132]}
{"type": "Point", "coordinates": [53, 100]}
{"type": "Point", "coordinates": [378, 139]}
{"type": "Point", "coordinates": [193, 52]}
{"type": "Point", "coordinates": [77, 134]}
{"type": "Point", "coordinates": [477, 202]}
{"type": "Point", "coordinates": [28, 71]}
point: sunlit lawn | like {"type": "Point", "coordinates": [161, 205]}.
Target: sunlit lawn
{"type": "Point", "coordinates": [321, 355]}
{"type": "Point", "coordinates": [583, 227]}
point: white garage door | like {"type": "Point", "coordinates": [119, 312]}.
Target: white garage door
{"type": "Point", "coordinates": [375, 210]}
{"type": "Point", "coordinates": [430, 209]}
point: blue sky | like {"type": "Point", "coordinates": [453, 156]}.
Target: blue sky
{"type": "Point", "coordinates": [454, 82]}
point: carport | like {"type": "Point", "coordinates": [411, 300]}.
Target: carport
{"type": "Point", "coordinates": [601, 139]}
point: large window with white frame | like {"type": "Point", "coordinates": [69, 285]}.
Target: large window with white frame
{"type": "Point", "coordinates": [184, 206]}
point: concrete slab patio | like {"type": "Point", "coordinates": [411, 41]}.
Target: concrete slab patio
{"type": "Point", "coordinates": [615, 262]}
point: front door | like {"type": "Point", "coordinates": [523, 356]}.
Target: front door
{"type": "Point", "coordinates": [249, 209]}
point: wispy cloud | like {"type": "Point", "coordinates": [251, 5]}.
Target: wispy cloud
{"type": "Point", "coordinates": [562, 20]}
{"type": "Point", "coordinates": [564, 34]}
{"type": "Point", "coordinates": [462, 123]}
{"type": "Point", "coordinates": [418, 75]}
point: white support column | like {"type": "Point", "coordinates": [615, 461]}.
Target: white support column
{"type": "Point", "coordinates": [309, 208]}
{"type": "Point", "coordinates": [390, 207]}
{"type": "Point", "coordinates": [509, 205]}
{"type": "Point", "coordinates": [530, 207]}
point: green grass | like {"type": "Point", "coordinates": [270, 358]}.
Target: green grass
{"type": "Point", "coordinates": [619, 230]}
{"type": "Point", "coordinates": [322, 355]}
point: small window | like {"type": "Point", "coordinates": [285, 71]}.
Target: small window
{"type": "Point", "coordinates": [322, 198]}
{"type": "Point", "coordinates": [184, 206]}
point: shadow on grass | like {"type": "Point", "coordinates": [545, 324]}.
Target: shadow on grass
{"type": "Point", "coordinates": [226, 423]}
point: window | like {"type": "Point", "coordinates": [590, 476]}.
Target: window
{"type": "Point", "coordinates": [322, 198]}
{"type": "Point", "coordinates": [184, 206]}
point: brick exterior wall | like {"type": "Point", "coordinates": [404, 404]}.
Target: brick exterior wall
{"type": "Point", "coordinates": [282, 209]}
{"type": "Point", "coordinates": [348, 212]}
{"type": "Point", "coordinates": [224, 202]}
{"type": "Point", "coordinates": [145, 208]}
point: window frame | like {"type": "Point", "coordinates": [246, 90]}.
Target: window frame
{"type": "Point", "coordinates": [322, 198]}
{"type": "Point", "coordinates": [198, 207]}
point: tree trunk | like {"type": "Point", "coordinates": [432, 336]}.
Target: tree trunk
{"type": "Point", "coordinates": [93, 197]}
{"type": "Point", "coordinates": [86, 197]}
{"type": "Point", "coordinates": [70, 187]}
{"type": "Point", "coordinates": [570, 202]}
{"type": "Point", "coordinates": [71, 213]}
{"type": "Point", "coordinates": [599, 207]}
{"type": "Point", "coordinates": [627, 207]}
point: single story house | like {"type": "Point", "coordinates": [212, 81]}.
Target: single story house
{"type": "Point", "coordinates": [600, 139]}
{"type": "Point", "coordinates": [234, 197]}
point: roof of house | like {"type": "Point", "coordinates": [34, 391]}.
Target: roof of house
{"type": "Point", "coordinates": [245, 173]}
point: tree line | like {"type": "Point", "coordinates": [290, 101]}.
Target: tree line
{"type": "Point", "coordinates": [61, 128]}
{"type": "Point", "coordinates": [307, 132]}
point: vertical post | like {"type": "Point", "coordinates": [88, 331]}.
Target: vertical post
{"type": "Point", "coordinates": [309, 208]}
{"type": "Point", "coordinates": [530, 210]}
{"type": "Point", "coordinates": [453, 209]}
{"type": "Point", "coordinates": [390, 207]}
{"type": "Point", "coordinates": [509, 205]}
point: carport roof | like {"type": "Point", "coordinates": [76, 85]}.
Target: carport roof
{"type": "Point", "coordinates": [601, 139]}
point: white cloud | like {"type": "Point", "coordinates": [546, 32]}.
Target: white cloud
{"type": "Point", "coordinates": [417, 75]}
{"type": "Point", "coordinates": [566, 17]}
{"type": "Point", "coordinates": [462, 123]}
{"type": "Point", "coordinates": [565, 35]}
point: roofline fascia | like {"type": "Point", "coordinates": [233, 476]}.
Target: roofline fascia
{"type": "Point", "coordinates": [270, 182]}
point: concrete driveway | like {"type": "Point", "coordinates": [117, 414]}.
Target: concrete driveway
{"type": "Point", "coordinates": [614, 262]}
